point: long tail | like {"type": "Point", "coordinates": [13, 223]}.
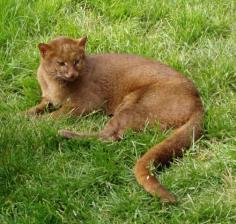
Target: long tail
{"type": "Point", "coordinates": [163, 152]}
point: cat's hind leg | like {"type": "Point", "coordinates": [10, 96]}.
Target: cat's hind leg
{"type": "Point", "coordinates": [129, 114]}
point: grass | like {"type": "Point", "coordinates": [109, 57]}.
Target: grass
{"type": "Point", "coordinates": [46, 179]}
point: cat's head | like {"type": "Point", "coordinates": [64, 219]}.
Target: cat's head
{"type": "Point", "coordinates": [63, 58]}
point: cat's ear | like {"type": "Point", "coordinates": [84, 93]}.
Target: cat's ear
{"type": "Point", "coordinates": [82, 41]}
{"type": "Point", "coordinates": [43, 48]}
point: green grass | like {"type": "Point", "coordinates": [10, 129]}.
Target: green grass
{"type": "Point", "coordinates": [47, 179]}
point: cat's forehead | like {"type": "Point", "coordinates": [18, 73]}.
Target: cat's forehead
{"type": "Point", "coordinates": [65, 48]}
{"type": "Point", "coordinates": [68, 48]}
{"type": "Point", "coordinates": [63, 41]}
{"type": "Point", "coordinates": [64, 45]}
{"type": "Point", "coordinates": [67, 51]}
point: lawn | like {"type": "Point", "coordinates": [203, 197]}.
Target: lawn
{"type": "Point", "coordinates": [47, 179]}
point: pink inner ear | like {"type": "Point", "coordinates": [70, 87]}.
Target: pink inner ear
{"type": "Point", "coordinates": [43, 48]}
{"type": "Point", "coordinates": [82, 41]}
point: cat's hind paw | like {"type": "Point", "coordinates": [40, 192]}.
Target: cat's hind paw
{"type": "Point", "coordinates": [68, 134]}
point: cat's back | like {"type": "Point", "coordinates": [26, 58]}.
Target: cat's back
{"type": "Point", "coordinates": [126, 63]}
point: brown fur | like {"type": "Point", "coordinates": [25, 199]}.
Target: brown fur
{"type": "Point", "coordinates": [133, 89]}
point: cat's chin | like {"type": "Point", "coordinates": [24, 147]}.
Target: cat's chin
{"type": "Point", "coordinates": [64, 79]}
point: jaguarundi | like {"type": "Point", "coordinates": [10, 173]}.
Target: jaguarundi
{"type": "Point", "coordinates": [133, 89]}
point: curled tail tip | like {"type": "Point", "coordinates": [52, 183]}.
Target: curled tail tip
{"type": "Point", "coordinates": [151, 184]}
{"type": "Point", "coordinates": [168, 198]}
{"type": "Point", "coordinates": [157, 190]}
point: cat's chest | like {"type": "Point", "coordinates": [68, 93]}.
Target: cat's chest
{"type": "Point", "coordinates": [56, 95]}
{"type": "Point", "coordinates": [55, 92]}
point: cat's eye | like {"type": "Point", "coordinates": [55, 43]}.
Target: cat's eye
{"type": "Point", "coordinates": [61, 63]}
{"type": "Point", "coordinates": [76, 62]}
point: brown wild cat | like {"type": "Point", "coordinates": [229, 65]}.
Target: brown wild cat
{"type": "Point", "coordinates": [133, 89]}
